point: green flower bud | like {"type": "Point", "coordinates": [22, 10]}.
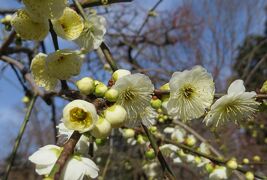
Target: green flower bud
{"type": "Point", "coordinates": [232, 164]}
{"type": "Point", "coordinates": [209, 167]}
{"type": "Point", "coordinates": [165, 87]}
{"type": "Point", "coordinates": [249, 175]}
{"type": "Point", "coordinates": [153, 129]}
{"type": "Point", "coordinates": [128, 133]}
{"type": "Point", "coordinates": [86, 85]}
{"type": "Point", "coordinates": [150, 154]}
{"type": "Point", "coordinates": [100, 142]}
{"type": "Point", "coordinates": [102, 128]}
{"type": "Point", "coordinates": [155, 103]}
{"type": "Point", "coordinates": [120, 73]}
{"type": "Point", "coordinates": [116, 115]}
{"type": "Point", "coordinates": [100, 90]}
{"type": "Point", "coordinates": [111, 95]}
{"type": "Point", "coordinates": [197, 160]}
{"type": "Point", "coordinates": [140, 139]}
{"type": "Point", "coordinates": [190, 140]}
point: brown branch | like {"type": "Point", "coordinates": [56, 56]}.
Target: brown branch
{"type": "Point", "coordinates": [7, 42]}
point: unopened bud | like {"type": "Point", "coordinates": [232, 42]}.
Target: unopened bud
{"type": "Point", "coordinates": [120, 73]}
{"type": "Point", "coordinates": [116, 115]}
{"type": "Point", "coordinates": [102, 128]}
{"type": "Point", "coordinates": [111, 95]}
{"type": "Point", "coordinates": [86, 85]}
{"type": "Point", "coordinates": [249, 175]}
{"type": "Point", "coordinates": [128, 133]}
{"type": "Point", "coordinates": [150, 154]}
{"type": "Point", "coordinates": [190, 140]}
{"type": "Point", "coordinates": [232, 164]}
{"type": "Point", "coordinates": [100, 90]}
{"type": "Point", "coordinates": [155, 103]}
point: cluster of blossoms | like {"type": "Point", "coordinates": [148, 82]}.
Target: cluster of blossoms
{"type": "Point", "coordinates": [129, 99]}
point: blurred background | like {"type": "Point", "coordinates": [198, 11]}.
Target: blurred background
{"type": "Point", "coordinates": [155, 37]}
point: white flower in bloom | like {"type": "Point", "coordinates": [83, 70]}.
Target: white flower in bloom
{"type": "Point", "coordinates": [150, 169]}
{"type": "Point", "coordinates": [40, 74]}
{"type": "Point", "coordinates": [93, 33]}
{"type": "Point", "coordinates": [63, 64]}
{"type": "Point", "coordinates": [82, 145]}
{"type": "Point", "coordinates": [45, 158]}
{"type": "Point", "coordinates": [27, 29]}
{"type": "Point", "coordinates": [69, 26]}
{"type": "Point", "coordinates": [134, 95]}
{"type": "Point", "coordinates": [75, 169]}
{"type": "Point", "coordinates": [218, 173]}
{"type": "Point", "coordinates": [79, 115]}
{"type": "Point", "coordinates": [171, 151]}
{"type": "Point", "coordinates": [60, 65]}
{"type": "Point", "coordinates": [42, 10]}
{"type": "Point", "coordinates": [177, 134]}
{"type": "Point", "coordinates": [191, 93]}
{"type": "Point", "coordinates": [237, 105]}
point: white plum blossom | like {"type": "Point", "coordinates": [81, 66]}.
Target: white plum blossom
{"type": "Point", "coordinates": [235, 106]}
{"type": "Point", "coordinates": [63, 64]}
{"type": "Point", "coordinates": [45, 9]}
{"type": "Point", "coordinates": [76, 167]}
{"type": "Point", "coordinates": [79, 115]}
{"type": "Point", "coordinates": [45, 158]}
{"type": "Point", "coordinates": [135, 92]}
{"type": "Point", "coordinates": [93, 33]}
{"type": "Point", "coordinates": [47, 70]}
{"type": "Point", "coordinates": [28, 29]}
{"type": "Point", "coordinates": [177, 134]}
{"type": "Point", "coordinates": [40, 74]}
{"type": "Point", "coordinates": [69, 26]}
{"type": "Point", "coordinates": [171, 151]}
{"type": "Point", "coordinates": [218, 173]}
{"type": "Point", "coordinates": [191, 93]}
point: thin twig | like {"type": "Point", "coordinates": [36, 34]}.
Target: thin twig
{"type": "Point", "coordinates": [165, 167]}
{"type": "Point", "coordinates": [18, 139]}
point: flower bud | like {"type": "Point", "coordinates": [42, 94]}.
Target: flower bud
{"type": "Point", "coordinates": [153, 129]}
{"type": "Point", "coordinates": [140, 139]}
{"type": "Point", "coordinates": [190, 140]}
{"type": "Point", "coordinates": [120, 73]}
{"type": "Point", "coordinates": [150, 154]}
{"type": "Point", "coordinates": [264, 87]}
{"type": "Point", "coordinates": [86, 85]}
{"type": "Point", "coordinates": [100, 90]}
{"type": "Point", "coordinates": [249, 175]}
{"type": "Point", "coordinates": [128, 133]}
{"type": "Point", "coordinates": [102, 128]}
{"type": "Point", "coordinates": [111, 95]}
{"type": "Point", "coordinates": [25, 99]}
{"type": "Point", "coordinates": [116, 115]}
{"type": "Point", "coordinates": [245, 160]}
{"type": "Point", "coordinates": [155, 103]}
{"type": "Point", "coordinates": [209, 167]}
{"type": "Point", "coordinates": [232, 164]}
{"type": "Point", "coordinates": [256, 158]}
{"type": "Point", "coordinates": [165, 87]}
{"type": "Point", "coordinates": [100, 142]}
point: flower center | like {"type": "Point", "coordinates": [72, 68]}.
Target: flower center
{"type": "Point", "coordinates": [129, 95]}
{"type": "Point", "coordinates": [77, 114]}
{"type": "Point", "coordinates": [187, 91]}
